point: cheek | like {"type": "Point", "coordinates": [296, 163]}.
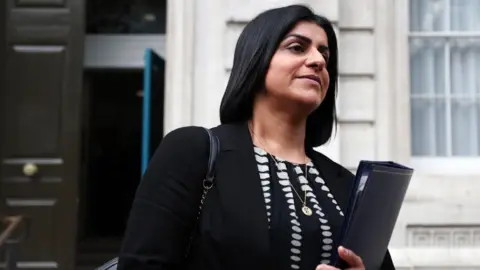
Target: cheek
{"type": "Point", "coordinates": [271, 80]}
{"type": "Point", "coordinates": [278, 77]}
{"type": "Point", "coordinates": [326, 80]}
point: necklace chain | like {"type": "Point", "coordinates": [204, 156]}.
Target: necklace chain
{"type": "Point", "coordinates": [305, 209]}
{"type": "Point", "coordinates": [304, 201]}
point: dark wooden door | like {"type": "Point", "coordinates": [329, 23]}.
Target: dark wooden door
{"type": "Point", "coordinates": [40, 124]}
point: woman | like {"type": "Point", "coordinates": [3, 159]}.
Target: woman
{"type": "Point", "coordinates": [276, 203]}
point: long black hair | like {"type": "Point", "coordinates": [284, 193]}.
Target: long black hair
{"type": "Point", "coordinates": [255, 48]}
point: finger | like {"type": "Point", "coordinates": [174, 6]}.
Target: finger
{"type": "Point", "coordinates": [325, 267]}
{"type": "Point", "coordinates": [350, 257]}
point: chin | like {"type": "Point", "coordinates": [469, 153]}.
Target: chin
{"type": "Point", "coordinates": [309, 102]}
{"type": "Point", "coordinates": [310, 97]}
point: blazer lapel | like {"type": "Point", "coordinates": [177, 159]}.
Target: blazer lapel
{"type": "Point", "coordinates": [238, 179]}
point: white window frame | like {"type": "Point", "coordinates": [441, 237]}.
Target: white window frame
{"type": "Point", "coordinates": [426, 165]}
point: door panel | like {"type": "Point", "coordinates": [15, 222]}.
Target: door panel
{"type": "Point", "coordinates": [35, 101]}
{"type": "Point", "coordinates": [153, 81]}
{"type": "Point", "coordinates": [41, 126]}
{"type": "Point", "coordinates": [42, 3]}
{"type": "Point", "coordinates": [42, 213]}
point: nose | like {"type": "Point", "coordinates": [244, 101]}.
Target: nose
{"type": "Point", "coordinates": [316, 60]}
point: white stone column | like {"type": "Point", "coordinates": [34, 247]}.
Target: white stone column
{"type": "Point", "coordinates": [209, 76]}
{"type": "Point", "coordinates": [180, 45]}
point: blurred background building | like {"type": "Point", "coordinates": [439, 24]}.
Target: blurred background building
{"type": "Point", "coordinates": [72, 76]}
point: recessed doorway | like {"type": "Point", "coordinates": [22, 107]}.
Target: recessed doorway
{"type": "Point", "coordinates": [118, 33]}
{"type": "Point", "coordinates": [112, 141]}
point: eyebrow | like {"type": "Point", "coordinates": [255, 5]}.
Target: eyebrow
{"type": "Point", "coordinates": [307, 40]}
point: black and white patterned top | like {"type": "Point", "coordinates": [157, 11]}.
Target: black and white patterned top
{"type": "Point", "coordinates": [298, 241]}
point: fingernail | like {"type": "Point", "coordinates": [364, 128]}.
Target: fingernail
{"type": "Point", "coordinates": [345, 250]}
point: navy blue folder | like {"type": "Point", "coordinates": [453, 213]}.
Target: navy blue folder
{"type": "Point", "coordinates": [376, 197]}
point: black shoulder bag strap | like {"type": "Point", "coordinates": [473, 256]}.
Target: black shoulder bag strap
{"type": "Point", "coordinates": [207, 185]}
{"type": "Point", "coordinates": [207, 181]}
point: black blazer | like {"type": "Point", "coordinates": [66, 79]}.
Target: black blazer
{"type": "Point", "coordinates": [233, 231]}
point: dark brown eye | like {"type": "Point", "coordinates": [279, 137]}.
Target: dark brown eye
{"type": "Point", "coordinates": [297, 48]}
{"type": "Point", "coordinates": [323, 50]}
{"type": "Point", "coordinates": [326, 57]}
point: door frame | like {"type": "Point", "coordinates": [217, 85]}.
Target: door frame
{"type": "Point", "coordinates": [178, 45]}
{"type": "Point", "coordinates": [3, 55]}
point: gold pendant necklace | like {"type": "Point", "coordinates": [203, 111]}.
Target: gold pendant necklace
{"type": "Point", "coordinates": [305, 209]}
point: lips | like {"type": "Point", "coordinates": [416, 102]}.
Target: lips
{"type": "Point", "coordinates": [311, 77]}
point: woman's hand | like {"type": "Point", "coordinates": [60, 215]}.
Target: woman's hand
{"type": "Point", "coordinates": [349, 257]}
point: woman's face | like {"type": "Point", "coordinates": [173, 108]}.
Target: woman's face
{"type": "Point", "coordinates": [297, 71]}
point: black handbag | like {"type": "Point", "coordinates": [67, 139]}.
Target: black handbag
{"type": "Point", "coordinates": [207, 185]}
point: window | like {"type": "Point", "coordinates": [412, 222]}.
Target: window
{"type": "Point", "coordinates": [445, 78]}
{"type": "Point", "coordinates": [126, 17]}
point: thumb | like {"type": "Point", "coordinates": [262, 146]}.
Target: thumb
{"type": "Point", "coordinates": [350, 257]}
{"type": "Point", "coordinates": [325, 267]}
